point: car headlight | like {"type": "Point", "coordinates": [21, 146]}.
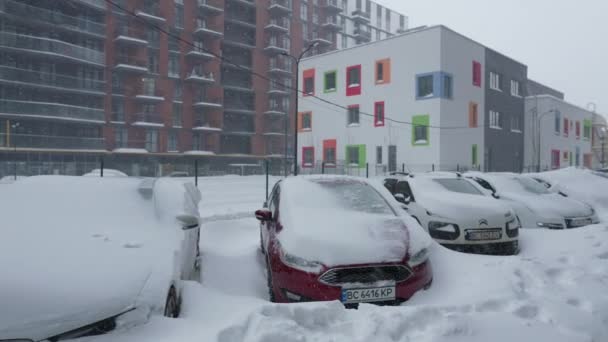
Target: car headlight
{"type": "Point", "coordinates": [419, 258]}
{"type": "Point", "coordinates": [513, 223]}
{"type": "Point", "coordinates": [443, 230]}
{"type": "Point", "coordinates": [550, 225]}
{"type": "Point", "coordinates": [300, 263]}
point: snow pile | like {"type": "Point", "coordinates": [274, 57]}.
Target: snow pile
{"type": "Point", "coordinates": [339, 221]}
{"type": "Point", "coordinates": [580, 184]}
{"type": "Point", "coordinates": [106, 173]}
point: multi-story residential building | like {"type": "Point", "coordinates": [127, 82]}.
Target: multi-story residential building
{"type": "Point", "coordinates": [429, 110]}
{"type": "Point", "coordinates": [86, 76]}
{"type": "Point", "coordinates": [558, 134]}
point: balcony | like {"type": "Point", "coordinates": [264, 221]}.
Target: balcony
{"type": "Point", "coordinates": [274, 47]}
{"type": "Point", "coordinates": [275, 130]}
{"type": "Point", "coordinates": [238, 128]}
{"type": "Point", "coordinates": [130, 64]}
{"type": "Point", "coordinates": [321, 41]}
{"type": "Point", "coordinates": [199, 77]}
{"type": "Point", "coordinates": [242, 88]}
{"type": "Point", "coordinates": [209, 7]}
{"type": "Point", "coordinates": [23, 77]}
{"type": "Point", "coordinates": [279, 90]}
{"type": "Point", "coordinates": [147, 120]}
{"type": "Point", "coordinates": [360, 16]}
{"type": "Point", "coordinates": [151, 14]}
{"type": "Point", "coordinates": [332, 6]}
{"type": "Point", "coordinates": [50, 48]}
{"type": "Point", "coordinates": [53, 142]}
{"type": "Point", "coordinates": [280, 7]}
{"type": "Point", "coordinates": [331, 23]}
{"type": "Point", "coordinates": [278, 69]}
{"type": "Point", "coordinates": [204, 102]}
{"type": "Point", "coordinates": [235, 42]}
{"type": "Point", "coordinates": [51, 111]}
{"type": "Point", "coordinates": [241, 21]}
{"type": "Point", "coordinates": [202, 30]}
{"type": "Point", "coordinates": [362, 35]}
{"type": "Point", "coordinates": [238, 107]}
{"type": "Point", "coordinates": [279, 26]}
{"type": "Point", "coordinates": [95, 4]}
{"type": "Point", "coordinates": [127, 36]}
{"type": "Point", "coordinates": [276, 110]}
{"type": "Point", "coordinates": [206, 126]}
{"type": "Point", "coordinates": [149, 96]}
{"type": "Point", "coordinates": [198, 53]}
{"type": "Point", "coordinates": [57, 19]}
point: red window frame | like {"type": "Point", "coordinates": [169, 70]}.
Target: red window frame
{"type": "Point", "coordinates": [566, 127]}
{"type": "Point", "coordinates": [304, 150]}
{"type": "Point", "coordinates": [379, 123]}
{"type": "Point", "coordinates": [309, 73]}
{"type": "Point", "coordinates": [578, 130]}
{"type": "Point", "coordinates": [476, 74]}
{"type": "Point", "coordinates": [356, 90]}
{"type": "Point", "coordinates": [555, 159]}
{"type": "Point", "coordinates": [330, 143]}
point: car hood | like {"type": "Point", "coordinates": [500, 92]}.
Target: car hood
{"type": "Point", "coordinates": [550, 205]}
{"type": "Point", "coordinates": [455, 206]}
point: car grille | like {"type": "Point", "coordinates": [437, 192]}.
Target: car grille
{"type": "Point", "coordinates": [338, 276]}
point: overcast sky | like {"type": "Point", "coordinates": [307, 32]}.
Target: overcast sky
{"type": "Point", "coordinates": [563, 42]}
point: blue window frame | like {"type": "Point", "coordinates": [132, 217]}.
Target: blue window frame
{"type": "Point", "coordinates": [434, 85]}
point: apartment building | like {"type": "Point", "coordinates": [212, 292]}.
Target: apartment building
{"type": "Point", "coordinates": [84, 76]}
{"type": "Point", "coordinates": [432, 109]}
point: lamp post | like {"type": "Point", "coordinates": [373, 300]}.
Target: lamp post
{"type": "Point", "coordinates": [295, 132]}
{"type": "Point", "coordinates": [14, 130]}
{"type": "Point", "coordinates": [540, 117]}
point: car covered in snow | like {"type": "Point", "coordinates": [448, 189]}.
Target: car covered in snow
{"type": "Point", "coordinates": [339, 238]}
{"type": "Point", "coordinates": [456, 213]}
{"type": "Point", "coordinates": [82, 256]}
{"type": "Point", "coordinates": [534, 204]}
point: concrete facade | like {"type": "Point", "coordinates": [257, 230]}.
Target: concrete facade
{"type": "Point", "coordinates": [558, 133]}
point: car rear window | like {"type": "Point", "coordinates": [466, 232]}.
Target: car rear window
{"type": "Point", "coordinates": [458, 185]}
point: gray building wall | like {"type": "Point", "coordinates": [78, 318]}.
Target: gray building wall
{"type": "Point", "coordinates": [504, 148]}
{"type": "Point", "coordinates": [536, 88]}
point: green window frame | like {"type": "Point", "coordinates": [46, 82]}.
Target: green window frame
{"type": "Point", "coordinates": [474, 159]}
{"type": "Point", "coordinates": [420, 130]}
{"type": "Point", "coordinates": [587, 124]}
{"type": "Point", "coordinates": [362, 155]}
{"type": "Point", "coordinates": [327, 74]}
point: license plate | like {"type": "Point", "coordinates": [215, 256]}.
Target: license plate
{"type": "Point", "coordinates": [483, 235]}
{"type": "Point", "coordinates": [580, 222]}
{"type": "Point", "coordinates": [377, 294]}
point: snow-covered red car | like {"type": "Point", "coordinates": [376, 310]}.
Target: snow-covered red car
{"type": "Point", "coordinates": [83, 255]}
{"type": "Point", "coordinates": [339, 238]}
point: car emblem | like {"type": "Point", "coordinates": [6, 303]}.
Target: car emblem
{"type": "Point", "coordinates": [483, 222]}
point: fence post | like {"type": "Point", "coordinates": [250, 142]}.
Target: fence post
{"type": "Point", "coordinates": [366, 170]}
{"type": "Point", "coordinates": [457, 167]}
{"type": "Point", "coordinates": [323, 168]}
{"type": "Point", "coordinates": [196, 172]}
{"type": "Point", "coordinates": [101, 167]}
{"type": "Point", "coordinates": [433, 167]}
{"type": "Point", "coordinates": [266, 161]}
{"type": "Point", "coordinates": [403, 167]}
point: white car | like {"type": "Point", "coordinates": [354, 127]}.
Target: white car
{"type": "Point", "coordinates": [456, 213]}
{"type": "Point", "coordinates": [534, 204]}
{"type": "Point", "coordinates": [82, 256]}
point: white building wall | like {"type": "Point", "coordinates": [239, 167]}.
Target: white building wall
{"type": "Point", "coordinates": [540, 109]}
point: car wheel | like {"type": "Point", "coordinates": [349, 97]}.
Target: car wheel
{"type": "Point", "coordinates": [172, 306]}
{"type": "Point", "coordinates": [271, 296]}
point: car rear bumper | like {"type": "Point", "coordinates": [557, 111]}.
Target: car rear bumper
{"type": "Point", "coordinates": [291, 285]}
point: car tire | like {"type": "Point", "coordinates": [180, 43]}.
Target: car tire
{"type": "Point", "coordinates": [271, 296]}
{"type": "Point", "coordinates": [262, 243]}
{"type": "Point", "coordinates": [172, 304]}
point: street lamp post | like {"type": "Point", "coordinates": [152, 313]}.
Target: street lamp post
{"type": "Point", "coordinates": [14, 130]}
{"type": "Point", "coordinates": [295, 126]}
{"type": "Point", "coordinates": [540, 117]}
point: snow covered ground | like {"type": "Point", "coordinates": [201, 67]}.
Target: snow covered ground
{"type": "Point", "coordinates": [555, 290]}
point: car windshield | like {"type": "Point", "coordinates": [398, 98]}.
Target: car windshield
{"type": "Point", "coordinates": [531, 186]}
{"type": "Point", "coordinates": [357, 196]}
{"type": "Point", "coordinates": [458, 185]}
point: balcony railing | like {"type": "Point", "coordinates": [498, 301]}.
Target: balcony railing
{"type": "Point", "coordinates": [51, 46]}
{"type": "Point", "coordinates": [207, 102]}
{"type": "Point", "coordinates": [206, 125]}
{"type": "Point", "coordinates": [281, 25]}
{"type": "Point", "coordinates": [280, 6]}
{"type": "Point", "coordinates": [238, 127]}
{"type": "Point", "coordinates": [151, 13]}
{"type": "Point", "coordinates": [211, 7]}
{"type": "Point", "coordinates": [52, 17]}
{"type": "Point", "coordinates": [128, 35]}
{"type": "Point", "coordinates": [333, 5]}
{"type": "Point", "coordinates": [360, 15]}
{"type": "Point", "coordinates": [52, 110]}
{"type": "Point", "coordinates": [55, 142]}
{"type": "Point", "coordinates": [35, 78]}
{"type": "Point", "coordinates": [130, 63]}
{"type": "Point", "coordinates": [99, 4]}
{"type": "Point", "coordinates": [147, 119]}
{"type": "Point", "coordinates": [362, 34]}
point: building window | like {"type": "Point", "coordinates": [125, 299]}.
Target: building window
{"type": "Point", "coordinates": [305, 31]}
{"type": "Point", "coordinates": [176, 118]}
{"type": "Point", "coordinates": [446, 85]}
{"type": "Point", "coordinates": [152, 62]}
{"type": "Point", "coordinates": [121, 137]}
{"type": "Point", "coordinates": [378, 36]}
{"type": "Point", "coordinates": [152, 140]}
{"type": "Point", "coordinates": [515, 88]}
{"type": "Point", "coordinates": [173, 65]}
{"type": "Point", "coordinates": [476, 74]}
{"type": "Point", "coordinates": [473, 114]}
{"type": "Point", "coordinates": [353, 80]}
{"type": "Point", "coordinates": [308, 156]}
{"type": "Point", "coordinates": [402, 22]}
{"type": "Point", "coordinates": [118, 110]}
{"type": "Point", "coordinates": [179, 16]}
{"type": "Point", "coordinates": [344, 41]}
{"type": "Point", "coordinates": [379, 155]}
{"type": "Point", "coordinates": [305, 121]}
{"type": "Point", "coordinates": [577, 130]}
{"type": "Point", "coordinates": [177, 91]}
{"type": "Point", "coordinates": [172, 142]}
{"type": "Point", "coordinates": [353, 115]}
{"type": "Point", "coordinates": [495, 81]}
{"type": "Point", "coordinates": [329, 151]}
{"type": "Point", "coordinates": [420, 130]}
{"type": "Point", "coordinates": [515, 124]}
{"type": "Point", "coordinates": [555, 159]}
{"type": "Point", "coordinates": [383, 71]}
{"type": "Point", "coordinates": [378, 16]}
{"type": "Point", "coordinates": [587, 129]}
{"type": "Point", "coordinates": [566, 127]}
{"type": "Point", "coordinates": [388, 20]}
{"type": "Point", "coordinates": [309, 82]}
{"type": "Point", "coordinates": [304, 11]}
{"type": "Point", "coordinates": [495, 120]}
{"type": "Point", "coordinates": [330, 81]}
{"type": "Point", "coordinates": [355, 155]}
{"type": "Point", "coordinates": [474, 158]}
{"type": "Point", "coordinates": [424, 86]}
{"type": "Point", "coordinates": [558, 120]}
{"type": "Point", "coordinates": [379, 114]}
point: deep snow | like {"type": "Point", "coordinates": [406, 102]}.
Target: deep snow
{"type": "Point", "coordinates": [555, 290]}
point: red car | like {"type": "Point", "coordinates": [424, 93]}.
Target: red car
{"type": "Point", "coordinates": [339, 238]}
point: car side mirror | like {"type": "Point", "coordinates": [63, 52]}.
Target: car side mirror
{"type": "Point", "coordinates": [264, 215]}
{"type": "Point", "coordinates": [562, 194]}
{"type": "Point", "coordinates": [495, 195]}
{"type": "Point", "coordinates": [401, 198]}
{"type": "Point", "coordinates": [188, 221]}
